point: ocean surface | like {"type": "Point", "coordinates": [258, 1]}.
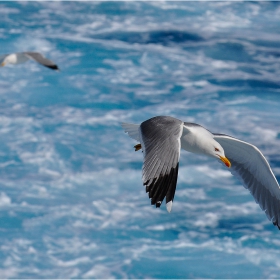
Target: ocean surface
{"type": "Point", "coordinates": [72, 204]}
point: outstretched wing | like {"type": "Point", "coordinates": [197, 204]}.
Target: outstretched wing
{"type": "Point", "coordinates": [161, 144]}
{"type": "Point", "coordinates": [41, 59]}
{"type": "Point", "coordinates": [249, 164]}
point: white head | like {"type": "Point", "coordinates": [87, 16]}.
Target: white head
{"type": "Point", "coordinates": [9, 59]}
{"type": "Point", "coordinates": [196, 139]}
{"type": "Point", "coordinates": [215, 150]}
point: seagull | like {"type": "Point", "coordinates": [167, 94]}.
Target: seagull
{"type": "Point", "coordinates": [161, 139]}
{"type": "Point", "coordinates": [21, 57]}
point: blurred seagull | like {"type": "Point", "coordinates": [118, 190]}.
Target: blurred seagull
{"type": "Point", "coordinates": [17, 58]}
{"type": "Point", "coordinates": [161, 139]}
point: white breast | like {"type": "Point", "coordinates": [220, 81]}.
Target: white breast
{"type": "Point", "coordinates": [16, 58]}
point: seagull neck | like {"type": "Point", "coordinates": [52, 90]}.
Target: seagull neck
{"type": "Point", "coordinates": [196, 139]}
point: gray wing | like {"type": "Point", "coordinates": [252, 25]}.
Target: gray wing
{"type": "Point", "coordinates": [41, 59]}
{"type": "Point", "coordinates": [249, 164]}
{"type": "Point", "coordinates": [161, 144]}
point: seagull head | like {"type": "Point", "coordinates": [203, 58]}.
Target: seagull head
{"type": "Point", "coordinates": [10, 59]}
{"type": "Point", "coordinates": [5, 61]}
{"type": "Point", "coordinates": [212, 148]}
{"type": "Point", "coordinates": [218, 152]}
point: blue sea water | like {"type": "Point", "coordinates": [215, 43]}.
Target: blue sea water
{"type": "Point", "coordinates": [72, 204]}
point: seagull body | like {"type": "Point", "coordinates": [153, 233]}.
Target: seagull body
{"type": "Point", "coordinates": [161, 139]}
{"type": "Point", "coordinates": [17, 58]}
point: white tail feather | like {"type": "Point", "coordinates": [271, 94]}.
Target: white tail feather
{"type": "Point", "coordinates": [132, 130]}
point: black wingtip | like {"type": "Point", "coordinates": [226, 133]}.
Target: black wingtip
{"type": "Point", "coordinates": [158, 204]}
{"type": "Point", "coordinates": [276, 224]}
{"type": "Point", "coordinates": [54, 67]}
{"type": "Point", "coordinates": [162, 187]}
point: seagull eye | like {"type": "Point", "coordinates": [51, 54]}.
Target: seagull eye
{"type": "Point", "coordinates": [217, 150]}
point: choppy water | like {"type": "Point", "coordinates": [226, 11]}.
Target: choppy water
{"type": "Point", "coordinates": [72, 204]}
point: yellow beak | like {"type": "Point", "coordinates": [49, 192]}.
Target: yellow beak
{"type": "Point", "coordinates": [3, 64]}
{"type": "Point", "coordinates": [225, 161]}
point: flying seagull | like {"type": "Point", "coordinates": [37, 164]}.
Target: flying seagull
{"type": "Point", "coordinates": [17, 58]}
{"type": "Point", "coordinates": [161, 139]}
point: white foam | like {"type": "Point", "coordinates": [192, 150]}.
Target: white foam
{"type": "Point", "coordinates": [208, 220]}
{"type": "Point", "coordinates": [4, 199]}
{"type": "Point", "coordinates": [99, 271]}
{"type": "Point", "coordinates": [73, 262]}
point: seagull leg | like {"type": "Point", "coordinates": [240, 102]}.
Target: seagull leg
{"type": "Point", "coordinates": [137, 147]}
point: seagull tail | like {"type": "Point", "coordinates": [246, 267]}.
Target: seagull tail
{"type": "Point", "coordinates": [132, 130]}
